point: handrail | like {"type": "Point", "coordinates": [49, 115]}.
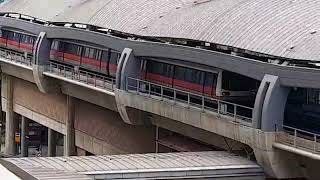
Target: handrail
{"type": "Point", "coordinates": [83, 76]}
{"type": "Point", "coordinates": [239, 113]}
{"type": "Point", "coordinates": [16, 57]}
{"type": "Point", "coordinates": [307, 135]}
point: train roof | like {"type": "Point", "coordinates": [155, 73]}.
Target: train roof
{"type": "Point", "coordinates": [283, 28]}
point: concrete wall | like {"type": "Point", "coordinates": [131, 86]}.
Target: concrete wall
{"type": "Point", "coordinates": [107, 126]}
{"type": "Point", "coordinates": [51, 105]}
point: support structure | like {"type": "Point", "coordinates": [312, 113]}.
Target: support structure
{"type": "Point", "coordinates": [11, 120]}
{"type": "Point", "coordinates": [51, 143]}
{"type": "Point", "coordinates": [23, 135]}
{"type": "Point", "coordinates": [69, 140]}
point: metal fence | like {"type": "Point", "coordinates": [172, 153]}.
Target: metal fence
{"type": "Point", "coordinates": [299, 138]}
{"type": "Point", "coordinates": [239, 113]}
{"type": "Point", "coordinates": [16, 57]}
{"type": "Point", "coordinates": [82, 76]}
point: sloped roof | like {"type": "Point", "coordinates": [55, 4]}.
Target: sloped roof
{"type": "Point", "coordinates": [286, 28]}
{"type": "Point", "coordinates": [215, 164]}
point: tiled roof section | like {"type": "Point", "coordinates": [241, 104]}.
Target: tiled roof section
{"type": "Point", "coordinates": [89, 166]}
{"type": "Point", "coordinates": [287, 28]}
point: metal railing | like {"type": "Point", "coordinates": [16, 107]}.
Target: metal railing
{"type": "Point", "coordinates": [16, 57]}
{"type": "Point", "coordinates": [82, 76]}
{"type": "Point", "coordinates": [299, 138]}
{"type": "Point", "coordinates": [239, 113]}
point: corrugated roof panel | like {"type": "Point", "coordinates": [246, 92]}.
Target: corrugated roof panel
{"type": "Point", "coordinates": [210, 163]}
{"type": "Point", "coordinates": [287, 28]}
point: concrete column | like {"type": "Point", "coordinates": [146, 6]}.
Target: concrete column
{"type": "Point", "coordinates": [51, 143]}
{"type": "Point", "coordinates": [69, 141]}
{"type": "Point", "coordinates": [24, 133]}
{"type": "Point", "coordinates": [270, 104]}
{"type": "Point", "coordinates": [11, 120]}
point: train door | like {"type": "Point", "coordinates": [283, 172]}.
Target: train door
{"type": "Point", "coordinates": [113, 61]}
{"type": "Point", "coordinates": [104, 62]}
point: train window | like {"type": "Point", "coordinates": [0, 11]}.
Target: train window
{"type": "Point", "coordinates": [13, 36]}
{"type": "Point", "coordinates": [160, 68]}
{"type": "Point", "coordinates": [179, 73]}
{"type": "Point", "coordinates": [236, 82]}
{"type": "Point", "coordinates": [105, 55]}
{"type": "Point", "coordinates": [71, 48]}
{"type": "Point", "coordinates": [114, 57]}
{"type": "Point", "coordinates": [4, 33]}
{"type": "Point", "coordinates": [27, 39]}
{"type": "Point", "coordinates": [98, 54]}
{"type": "Point", "coordinates": [55, 45]}
{"type": "Point", "coordinates": [190, 75]}
{"type": "Point", "coordinates": [91, 53]}
{"type": "Point", "coordinates": [210, 79]}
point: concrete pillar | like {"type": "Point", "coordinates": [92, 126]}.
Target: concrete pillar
{"type": "Point", "coordinates": [11, 120]}
{"type": "Point", "coordinates": [24, 133]}
{"type": "Point", "coordinates": [69, 141]}
{"type": "Point", "coordinates": [270, 104]}
{"type": "Point", "coordinates": [51, 143]}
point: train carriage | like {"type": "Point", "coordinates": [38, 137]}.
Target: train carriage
{"type": "Point", "coordinates": [91, 58]}
{"type": "Point", "coordinates": [214, 83]}
{"type": "Point", "coordinates": [16, 40]}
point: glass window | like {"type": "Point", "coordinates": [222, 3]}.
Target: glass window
{"type": "Point", "coordinates": [210, 79]}
{"type": "Point", "coordinates": [114, 57]}
{"type": "Point", "coordinates": [236, 82]}
{"type": "Point", "coordinates": [98, 54]}
{"type": "Point", "coordinates": [105, 56]}
{"type": "Point", "coordinates": [71, 48]}
{"type": "Point", "coordinates": [91, 53]}
{"type": "Point", "coordinates": [13, 36]}
{"type": "Point", "coordinates": [179, 73]}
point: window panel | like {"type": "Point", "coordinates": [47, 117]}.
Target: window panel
{"type": "Point", "coordinates": [114, 57]}
{"type": "Point", "coordinates": [105, 55]}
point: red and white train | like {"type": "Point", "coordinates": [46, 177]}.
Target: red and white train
{"type": "Point", "coordinates": [214, 83]}
{"type": "Point", "coordinates": [16, 40]}
{"type": "Point", "coordinates": [88, 57]}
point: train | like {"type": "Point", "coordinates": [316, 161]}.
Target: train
{"type": "Point", "coordinates": [95, 59]}
{"type": "Point", "coordinates": [18, 41]}
{"type": "Point", "coordinates": [215, 83]}
{"type": "Point", "coordinates": [99, 60]}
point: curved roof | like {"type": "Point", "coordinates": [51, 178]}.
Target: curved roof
{"type": "Point", "coordinates": [286, 28]}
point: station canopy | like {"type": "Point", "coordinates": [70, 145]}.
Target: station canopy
{"type": "Point", "coordinates": [285, 28]}
{"type": "Point", "coordinates": [183, 165]}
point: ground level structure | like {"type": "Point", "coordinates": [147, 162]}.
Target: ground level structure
{"type": "Point", "coordinates": [190, 165]}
